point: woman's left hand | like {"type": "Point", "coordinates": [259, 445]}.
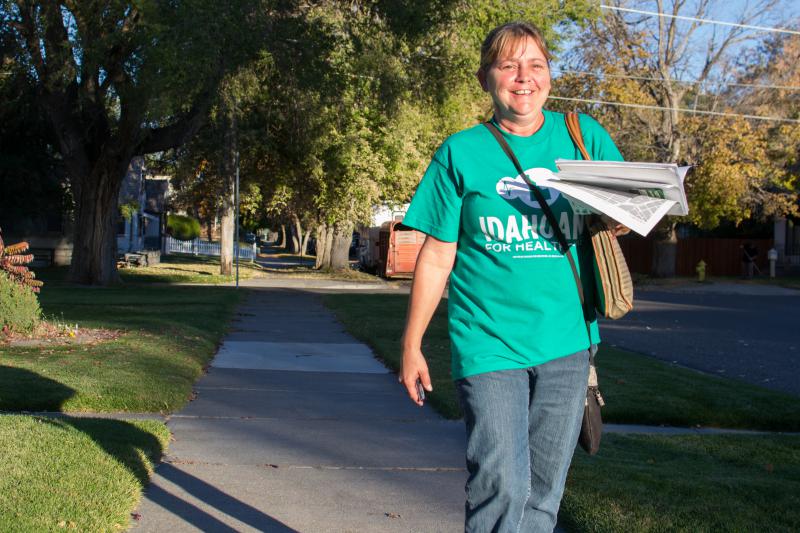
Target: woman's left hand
{"type": "Point", "coordinates": [616, 228]}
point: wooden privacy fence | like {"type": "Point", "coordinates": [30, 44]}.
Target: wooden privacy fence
{"type": "Point", "coordinates": [199, 247]}
{"type": "Point", "coordinates": [723, 257]}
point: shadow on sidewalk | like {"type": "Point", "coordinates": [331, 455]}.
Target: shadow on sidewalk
{"type": "Point", "coordinates": [211, 496]}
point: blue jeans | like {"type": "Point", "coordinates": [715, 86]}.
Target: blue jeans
{"type": "Point", "coordinates": [522, 427]}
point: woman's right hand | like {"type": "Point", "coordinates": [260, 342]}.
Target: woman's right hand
{"type": "Point", "coordinates": [414, 369]}
{"type": "Point", "coordinates": [434, 263]}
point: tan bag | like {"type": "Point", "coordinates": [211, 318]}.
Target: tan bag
{"type": "Point", "coordinates": [613, 284]}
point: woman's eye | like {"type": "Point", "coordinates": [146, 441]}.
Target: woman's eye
{"type": "Point", "coordinates": [508, 67]}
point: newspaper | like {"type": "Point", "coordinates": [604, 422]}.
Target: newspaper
{"type": "Point", "coordinates": [637, 195]}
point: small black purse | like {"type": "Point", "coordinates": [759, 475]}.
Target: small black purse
{"type": "Point", "coordinates": [592, 424]}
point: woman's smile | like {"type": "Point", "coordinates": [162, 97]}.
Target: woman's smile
{"type": "Point", "coordinates": [519, 83]}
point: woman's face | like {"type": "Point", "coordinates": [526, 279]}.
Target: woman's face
{"type": "Point", "coordinates": [519, 83]}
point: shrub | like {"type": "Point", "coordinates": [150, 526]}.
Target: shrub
{"type": "Point", "coordinates": [182, 227]}
{"type": "Point", "coordinates": [19, 306]}
{"type": "Point", "coordinates": [12, 264]}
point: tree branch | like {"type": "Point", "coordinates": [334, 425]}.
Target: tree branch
{"type": "Point", "coordinates": [59, 60]}
{"type": "Point", "coordinates": [166, 137]}
{"type": "Point", "coordinates": [681, 47]}
{"type": "Point", "coordinates": [27, 29]}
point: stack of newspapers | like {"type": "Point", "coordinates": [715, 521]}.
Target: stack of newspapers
{"type": "Point", "coordinates": [637, 195]}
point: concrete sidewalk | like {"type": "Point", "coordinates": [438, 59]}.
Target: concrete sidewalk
{"type": "Point", "coordinates": [296, 427]}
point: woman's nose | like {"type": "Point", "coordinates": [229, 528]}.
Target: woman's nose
{"type": "Point", "coordinates": [524, 74]}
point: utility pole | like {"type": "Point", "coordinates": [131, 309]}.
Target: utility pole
{"type": "Point", "coordinates": [236, 218]}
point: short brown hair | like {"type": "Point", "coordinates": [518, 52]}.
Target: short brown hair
{"type": "Point", "coordinates": [506, 35]}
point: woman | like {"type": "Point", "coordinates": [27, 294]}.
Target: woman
{"type": "Point", "coordinates": [520, 347]}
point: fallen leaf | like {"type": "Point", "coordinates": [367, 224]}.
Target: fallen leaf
{"type": "Point", "coordinates": [63, 523]}
{"type": "Point", "coordinates": [393, 515]}
{"type": "Point", "coordinates": [136, 516]}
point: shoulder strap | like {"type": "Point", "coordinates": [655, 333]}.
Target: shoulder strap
{"type": "Point", "coordinates": [551, 218]}
{"type": "Point", "coordinates": [574, 128]}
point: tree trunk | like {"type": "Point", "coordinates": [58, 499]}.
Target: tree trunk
{"type": "Point", "coordinates": [665, 251]}
{"type": "Point", "coordinates": [299, 237]}
{"type": "Point", "coordinates": [292, 242]}
{"type": "Point", "coordinates": [94, 253]}
{"type": "Point", "coordinates": [282, 243]}
{"type": "Point", "coordinates": [304, 245]}
{"type": "Point", "coordinates": [340, 248]}
{"type": "Point", "coordinates": [227, 207]}
{"type": "Point", "coordinates": [322, 251]}
{"type": "Point", "coordinates": [130, 233]}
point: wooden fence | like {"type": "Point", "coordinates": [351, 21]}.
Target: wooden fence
{"type": "Point", "coordinates": [723, 257]}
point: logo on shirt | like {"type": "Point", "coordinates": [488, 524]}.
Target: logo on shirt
{"type": "Point", "coordinates": [517, 188]}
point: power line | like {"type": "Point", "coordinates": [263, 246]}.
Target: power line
{"type": "Point", "coordinates": [702, 21]}
{"type": "Point", "coordinates": [679, 109]}
{"type": "Point", "coordinates": [648, 78]}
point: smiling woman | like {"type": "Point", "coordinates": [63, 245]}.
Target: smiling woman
{"type": "Point", "coordinates": [515, 71]}
{"type": "Point", "coordinates": [520, 340]}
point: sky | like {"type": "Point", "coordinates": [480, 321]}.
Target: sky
{"type": "Point", "coordinates": [786, 14]}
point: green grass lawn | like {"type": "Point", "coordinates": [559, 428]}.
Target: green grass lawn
{"type": "Point", "coordinates": [74, 474]}
{"type": "Point", "coordinates": [708, 483]}
{"type": "Point", "coordinates": [176, 268]}
{"type": "Point", "coordinates": [637, 389]}
{"type": "Point", "coordinates": [88, 474]}
{"type": "Point", "coordinates": [168, 335]}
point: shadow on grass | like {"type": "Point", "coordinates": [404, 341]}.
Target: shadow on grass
{"type": "Point", "coordinates": [133, 448]}
{"type": "Point", "coordinates": [118, 438]}
{"type": "Point", "coordinates": [16, 385]}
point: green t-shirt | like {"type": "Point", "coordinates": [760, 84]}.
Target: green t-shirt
{"type": "Point", "coordinates": [512, 300]}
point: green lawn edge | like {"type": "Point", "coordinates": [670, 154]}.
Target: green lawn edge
{"type": "Point", "coordinates": [698, 483]}
{"type": "Point", "coordinates": [168, 335]}
{"type": "Point", "coordinates": [80, 474]}
{"type": "Point", "coordinates": [638, 389]}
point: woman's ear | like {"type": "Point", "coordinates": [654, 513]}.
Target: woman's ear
{"type": "Point", "coordinates": [481, 75]}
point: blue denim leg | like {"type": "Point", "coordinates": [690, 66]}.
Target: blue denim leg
{"type": "Point", "coordinates": [522, 427]}
{"type": "Point", "coordinates": [557, 402]}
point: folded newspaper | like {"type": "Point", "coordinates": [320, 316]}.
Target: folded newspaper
{"type": "Point", "coordinates": [637, 195]}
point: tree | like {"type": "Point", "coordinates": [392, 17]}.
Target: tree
{"type": "Point", "coordinates": [357, 97]}
{"type": "Point", "coordinates": [205, 169]}
{"type": "Point", "coordinates": [384, 83]}
{"type": "Point", "coordinates": [670, 64]}
{"type": "Point", "coordinates": [32, 179]}
{"type": "Point", "coordinates": [767, 86]}
{"type": "Point", "coordinates": [122, 79]}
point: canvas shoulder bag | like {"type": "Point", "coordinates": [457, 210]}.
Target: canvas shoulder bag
{"type": "Point", "coordinates": [612, 279]}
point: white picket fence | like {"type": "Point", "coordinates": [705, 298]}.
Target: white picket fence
{"type": "Point", "coordinates": [200, 247]}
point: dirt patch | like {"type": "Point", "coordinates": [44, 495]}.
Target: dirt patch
{"type": "Point", "coordinates": [48, 334]}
